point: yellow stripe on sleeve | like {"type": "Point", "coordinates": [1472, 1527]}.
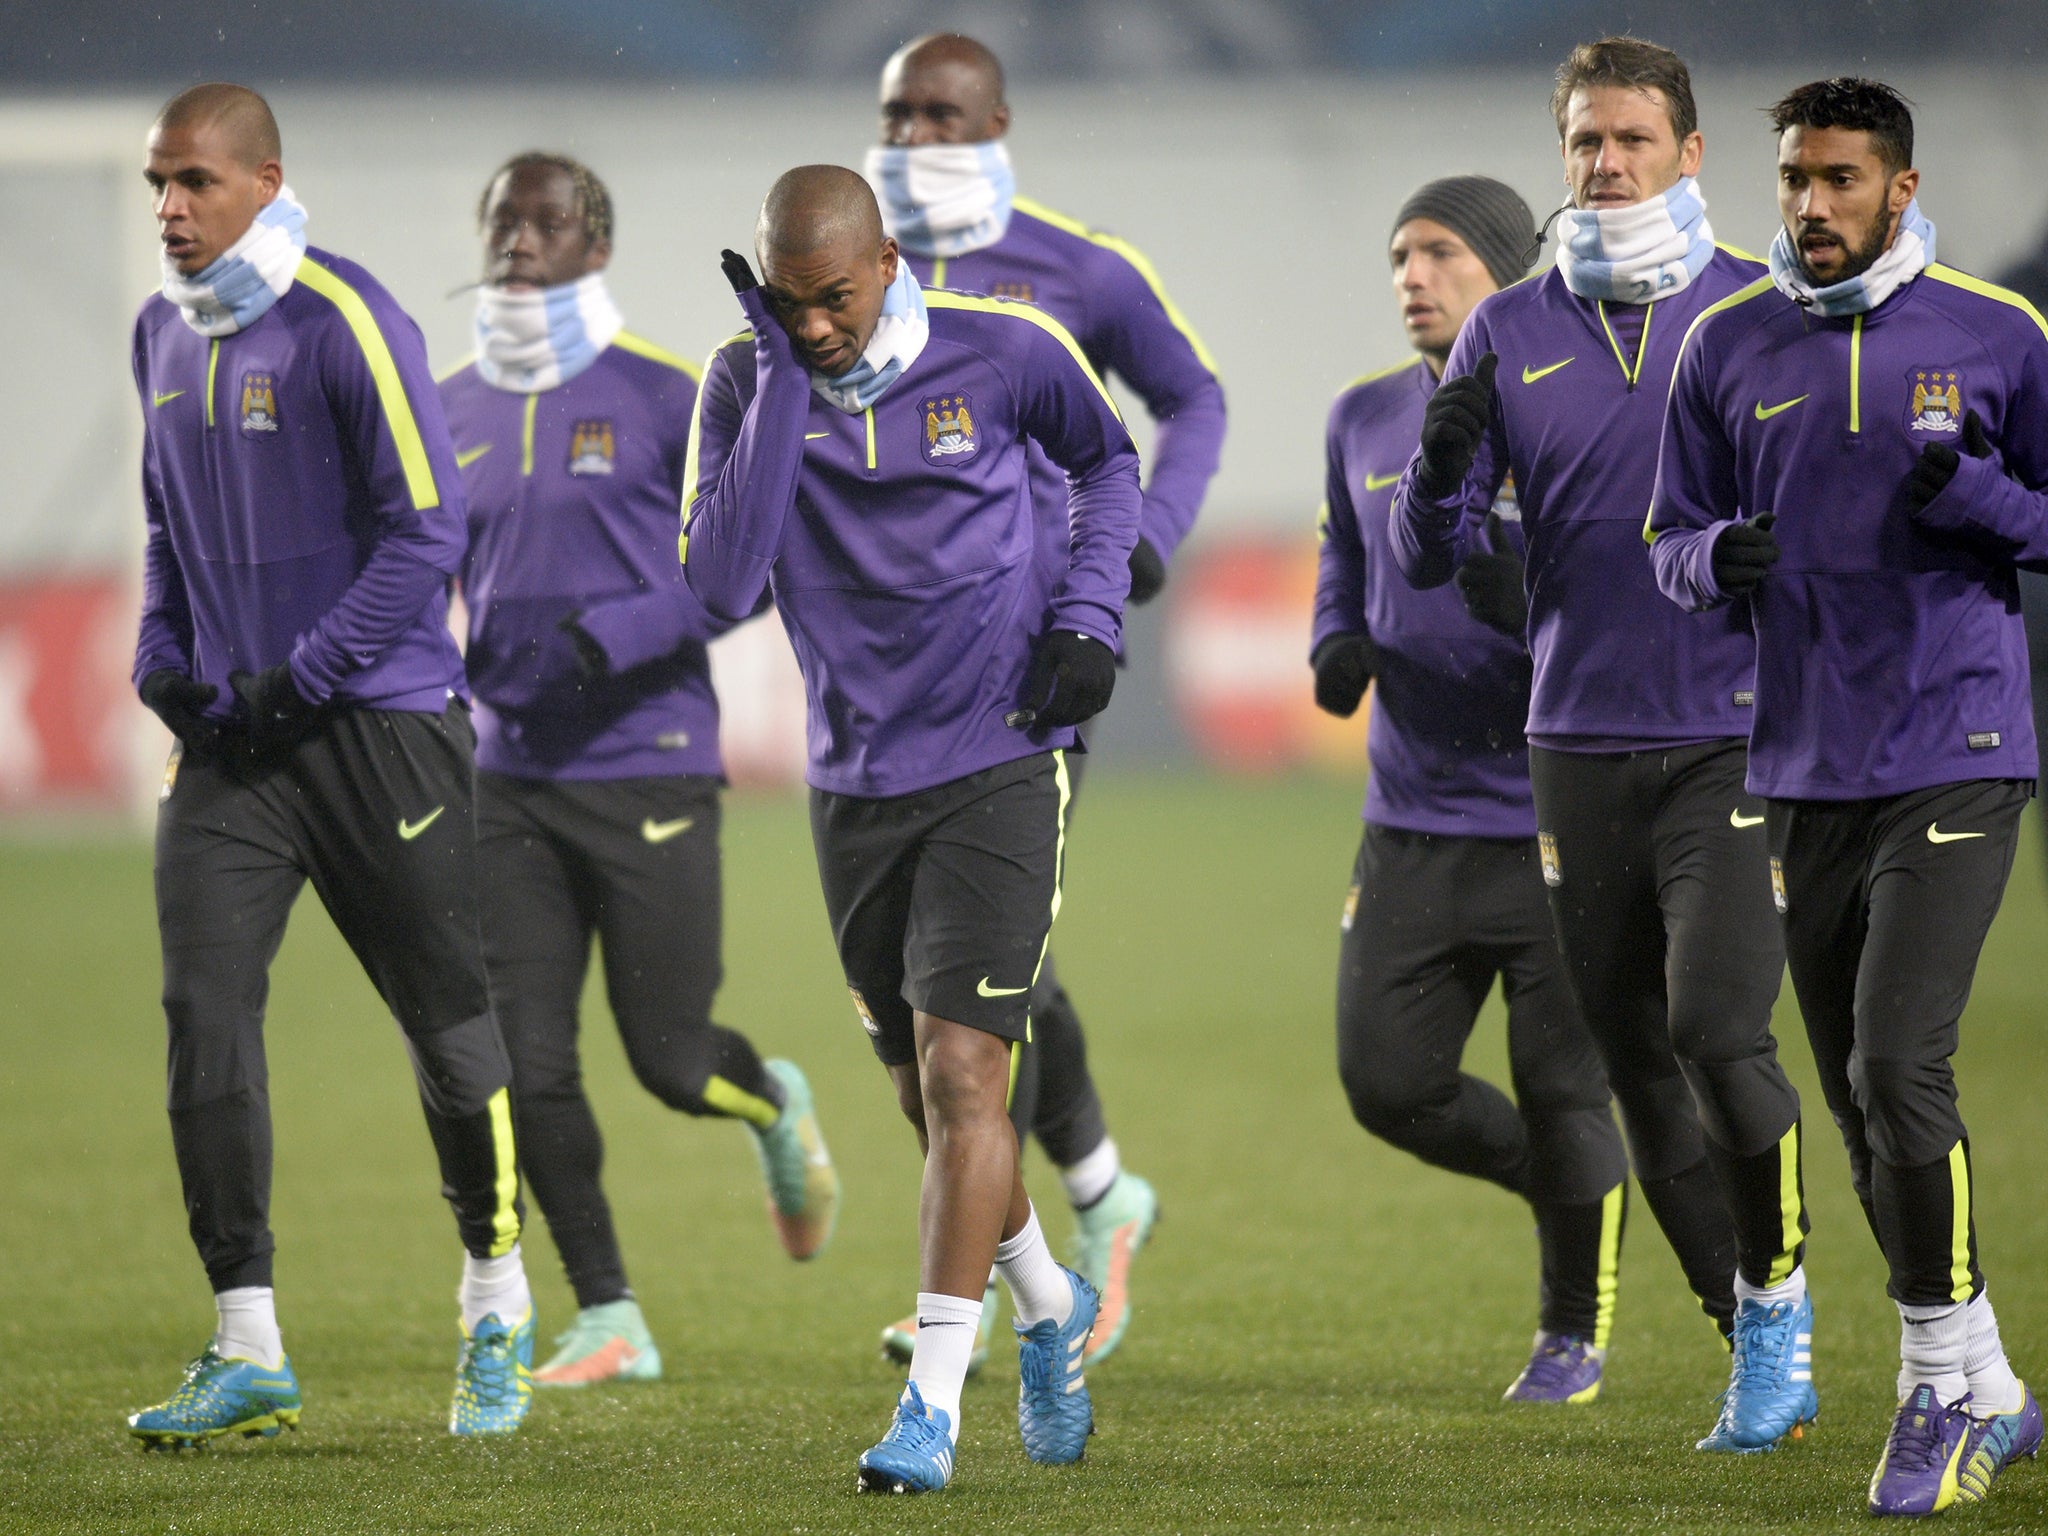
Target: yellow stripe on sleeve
{"type": "Point", "coordinates": [640, 346]}
{"type": "Point", "coordinates": [405, 432]}
{"type": "Point", "coordinates": [1139, 263]}
{"type": "Point", "coordinates": [1977, 285]}
{"type": "Point", "coordinates": [936, 299]}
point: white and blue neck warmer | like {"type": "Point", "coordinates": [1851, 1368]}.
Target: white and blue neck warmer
{"type": "Point", "coordinates": [1911, 250]}
{"type": "Point", "coordinates": [529, 340]}
{"type": "Point", "coordinates": [1638, 254]}
{"type": "Point", "coordinates": [237, 289]}
{"type": "Point", "coordinates": [899, 337]}
{"type": "Point", "coordinates": [943, 199]}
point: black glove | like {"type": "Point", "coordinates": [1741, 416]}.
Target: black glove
{"type": "Point", "coordinates": [1938, 463]}
{"type": "Point", "coordinates": [180, 702]}
{"type": "Point", "coordinates": [1490, 581]}
{"type": "Point", "coordinates": [592, 662]}
{"type": "Point", "coordinates": [1744, 554]}
{"type": "Point", "coordinates": [1148, 572]}
{"type": "Point", "coordinates": [1455, 420]}
{"type": "Point", "coordinates": [738, 271]}
{"type": "Point", "coordinates": [1070, 680]}
{"type": "Point", "coordinates": [279, 715]}
{"type": "Point", "coordinates": [1344, 665]}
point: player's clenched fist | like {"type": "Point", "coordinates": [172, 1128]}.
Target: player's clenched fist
{"type": "Point", "coordinates": [1938, 463]}
{"type": "Point", "coordinates": [1457, 416]}
{"type": "Point", "coordinates": [1070, 680]}
{"type": "Point", "coordinates": [1344, 664]}
{"type": "Point", "coordinates": [1744, 554]}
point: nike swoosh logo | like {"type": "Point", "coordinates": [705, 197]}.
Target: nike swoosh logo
{"type": "Point", "coordinates": [1531, 375]}
{"type": "Point", "coordinates": [811, 437]}
{"type": "Point", "coordinates": [469, 456]}
{"type": "Point", "coordinates": [408, 830]}
{"type": "Point", "coordinates": [1737, 820]}
{"type": "Point", "coordinates": [982, 988]}
{"type": "Point", "coordinates": [1381, 482]}
{"type": "Point", "coordinates": [1936, 835]}
{"type": "Point", "coordinates": [164, 400]}
{"type": "Point", "coordinates": [1766, 412]}
{"type": "Point", "coordinates": [661, 831]}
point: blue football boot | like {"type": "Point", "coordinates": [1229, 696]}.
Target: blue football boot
{"type": "Point", "coordinates": [1917, 1475]}
{"type": "Point", "coordinates": [1770, 1394]}
{"type": "Point", "coordinates": [1994, 1443]}
{"type": "Point", "coordinates": [221, 1397]}
{"type": "Point", "coordinates": [494, 1378]}
{"type": "Point", "coordinates": [915, 1456]}
{"type": "Point", "coordinates": [1053, 1412]}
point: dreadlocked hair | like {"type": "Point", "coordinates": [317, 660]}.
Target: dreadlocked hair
{"type": "Point", "coordinates": [593, 200]}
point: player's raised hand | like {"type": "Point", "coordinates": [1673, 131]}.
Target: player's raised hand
{"type": "Point", "coordinates": [738, 271]}
{"type": "Point", "coordinates": [1071, 678]}
{"type": "Point", "coordinates": [1344, 664]}
{"type": "Point", "coordinates": [1490, 582]}
{"type": "Point", "coordinates": [180, 702]}
{"type": "Point", "coordinates": [1744, 554]}
{"type": "Point", "coordinates": [1455, 420]}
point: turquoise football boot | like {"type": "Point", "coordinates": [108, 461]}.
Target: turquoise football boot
{"type": "Point", "coordinates": [221, 1397]}
{"type": "Point", "coordinates": [1108, 1236]}
{"type": "Point", "coordinates": [915, 1456]}
{"type": "Point", "coordinates": [803, 1186]}
{"type": "Point", "coordinates": [494, 1378]}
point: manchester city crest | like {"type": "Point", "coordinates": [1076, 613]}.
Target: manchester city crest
{"type": "Point", "coordinates": [1934, 401]}
{"type": "Point", "coordinates": [591, 448]}
{"type": "Point", "coordinates": [259, 403]}
{"type": "Point", "coordinates": [949, 433]}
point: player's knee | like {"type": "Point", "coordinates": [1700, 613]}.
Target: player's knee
{"type": "Point", "coordinates": [674, 1065]}
{"type": "Point", "coordinates": [1389, 1099]}
{"type": "Point", "coordinates": [1662, 1126]}
{"type": "Point", "coordinates": [213, 1010]}
{"type": "Point", "coordinates": [1909, 1108]}
{"type": "Point", "coordinates": [963, 1074]}
{"type": "Point", "coordinates": [459, 1068]}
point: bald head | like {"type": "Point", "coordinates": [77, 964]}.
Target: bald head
{"type": "Point", "coordinates": [943, 88]}
{"type": "Point", "coordinates": [815, 208]}
{"type": "Point", "coordinates": [239, 117]}
{"type": "Point", "coordinates": [826, 265]}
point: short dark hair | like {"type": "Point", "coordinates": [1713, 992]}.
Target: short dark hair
{"type": "Point", "coordinates": [1850, 102]}
{"type": "Point", "coordinates": [1635, 64]}
{"type": "Point", "coordinates": [593, 200]}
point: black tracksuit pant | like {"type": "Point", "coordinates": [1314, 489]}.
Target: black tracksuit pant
{"type": "Point", "coordinates": [376, 808]}
{"type": "Point", "coordinates": [1660, 887]}
{"type": "Point", "coordinates": [1886, 906]}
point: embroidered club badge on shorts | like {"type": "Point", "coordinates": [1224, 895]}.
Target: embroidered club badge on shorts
{"type": "Point", "coordinates": [592, 448]}
{"type": "Point", "coordinates": [1934, 402]}
{"type": "Point", "coordinates": [1546, 851]}
{"type": "Point", "coordinates": [949, 435]}
{"type": "Point", "coordinates": [259, 404]}
{"type": "Point", "coordinates": [171, 771]}
{"type": "Point", "coordinates": [1350, 910]}
{"type": "Point", "coordinates": [867, 1019]}
{"type": "Point", "coordinates": [1778, 884]}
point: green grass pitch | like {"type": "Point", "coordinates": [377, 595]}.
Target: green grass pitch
{"type": "Point", "coordinates": [1323, 1327]}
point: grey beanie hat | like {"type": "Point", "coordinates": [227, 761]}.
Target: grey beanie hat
{"type": "Point", "coordinates": [1487, 215]}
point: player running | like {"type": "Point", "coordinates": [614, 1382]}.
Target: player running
{"type": "Point", "coordinates": [942, 174]}
{"type": "Point", "coordinates": [1445, 893]}
{"type": "Point", "coordinates": [304, 516]}
{"type": "Point", "coordinates": [1652, 849]}
{"type": "Point", "coordinates": [1858, 444]}
{"type": "Point", "coordinates": [597, 742]}
{"type": "Point", "coordinates": [862, 452]}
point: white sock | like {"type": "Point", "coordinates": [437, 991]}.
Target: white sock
{"type": "Point", "coordinates": [946, 1326]}
{"type": "Point", "coordinates": [1037, 1288]}
{"type": "Point", "coordinates": [1088, 1180]}
{"type": "Point", "coordinates": [494, 1285]}
{"type": "Point", "coordinates": [1994, 1389]}
{"type": "Point", "coordinates": [1934, 1344]}
{"type": "Point", "coordinates": [1792, 1288]}
{"type": "Point", "coordinates": [248, 1326]}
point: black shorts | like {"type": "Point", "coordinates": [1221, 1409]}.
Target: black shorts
{"type": "Point", "coordinates": [942, 901]}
